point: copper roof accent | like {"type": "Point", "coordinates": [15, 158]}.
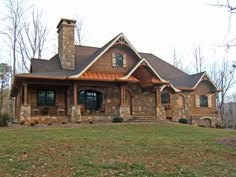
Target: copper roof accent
{"type": "Point", "coordinates": [103, 76]}
{"type": "Point", "coordinates": [155, 81]}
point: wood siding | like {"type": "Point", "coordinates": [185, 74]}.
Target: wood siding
{"type": "Point", "coordinates": [104, 63]}
{"type": "Point", "coordinates": [204, 88]}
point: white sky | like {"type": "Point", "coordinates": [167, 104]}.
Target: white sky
{"type": "Point", "coordinates": [153, 26]}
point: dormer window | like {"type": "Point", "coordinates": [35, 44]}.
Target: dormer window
{"type": "Point", "coordinates": [118, 60]}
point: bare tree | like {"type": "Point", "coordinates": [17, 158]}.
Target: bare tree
{"type": "Point", "coordinates": [223, 74]}
{"type": "Point", "coordinates": [32, 38]}
{"type": "Point", "coordinates": [230, 6]}
{"type": "Point", "coordinates": [5, 72]}
{"type": "Point", "coordinates": [176, 60]}
{"type": "Point", "coordinates": [13, 27]}
{"type": "Point", "coordinates": [80, 36]}
{"type": "Point", "coordinates": [198, 64]}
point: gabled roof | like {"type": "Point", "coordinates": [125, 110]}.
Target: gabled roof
{"type": "Point", "coordinates": [86, 56]}
{"type": "Point", "coordinates": [102, 50]}
{"type": "Point", "coordinates": [143, 60]}
{"type": "Point", "coordinates": [199, 77]}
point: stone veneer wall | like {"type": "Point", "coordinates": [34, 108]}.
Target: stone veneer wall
{"type": "Point", "coordinates": [184, 112]}
{"type": "Point", "coordinates": [66, 47]}
{"type": "Point", "coordinates": [143, 102]}
{"type": "Point", "coordinates": [112, 100]}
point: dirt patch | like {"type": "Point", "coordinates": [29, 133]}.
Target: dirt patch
{"type": "Point", "coordinates": [229, 141]}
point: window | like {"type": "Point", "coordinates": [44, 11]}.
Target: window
{"type": "Point", "coordinates": [165, 98]}
{"type": "Point", "coordinates": [118, 60]}
{"type": "Point", "coordinates": [203, 101]}
{"type": "Point", "coordinates": [46, 98]}
{"type": "Point", "coordinates": [91, 100]}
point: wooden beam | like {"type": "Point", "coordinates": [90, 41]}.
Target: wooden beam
{"type": "Point", "coordinates": [75, 94]}
{"type": "Point", "coordinates": [25, 93]}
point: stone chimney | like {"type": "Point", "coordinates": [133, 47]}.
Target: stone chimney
{"type": "Point", "coordinates": [66, 46]}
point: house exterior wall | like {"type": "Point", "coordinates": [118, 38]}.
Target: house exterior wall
{"type": "Point", "coordinates": [204, 88]}
{"type": "Point", "coordinates": [104, 63]}
{"type": "Point", "coordinates": [143, 102]}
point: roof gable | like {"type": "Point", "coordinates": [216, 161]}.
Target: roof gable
{"type": "Point", "coordinates": [119, 39]}
{"type": "Point", "coordinates": [204, 76]}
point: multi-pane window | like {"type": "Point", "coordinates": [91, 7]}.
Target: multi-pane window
{"type": "Point", "coordinates": [90, 99]}
{"type": "Point", "coordinates": [119, 60]}
{"type": "Point", "coordinates": [46, 98]}
{"type": "Point", "coordinates": [203, 101]}
{"type": "Point", "coordinates": [165, 98]}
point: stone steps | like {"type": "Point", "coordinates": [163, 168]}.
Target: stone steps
{"type": "Point", "coordinates": [142, 119]}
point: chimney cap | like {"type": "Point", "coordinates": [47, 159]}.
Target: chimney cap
{"type": "Point", "coordinates": [68, 21]}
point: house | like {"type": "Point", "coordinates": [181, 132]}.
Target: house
{"type": "Point", "coordinates": [99, 83]}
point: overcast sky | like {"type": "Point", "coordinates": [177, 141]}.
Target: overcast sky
{"type": "Point", "coordinates": [153, 26]}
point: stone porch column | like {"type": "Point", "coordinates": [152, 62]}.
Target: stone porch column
{"type": "Point", "coordinates": [75, 109]}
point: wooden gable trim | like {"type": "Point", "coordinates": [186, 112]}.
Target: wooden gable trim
{"type": "Point", "coordinates": [206, 77]}
{"type": "Point", "coordinates": [171, 86]}
{"type": "Point", "coordinates": [142, 62]}
{"type": "Point", "coordinates": [121, 35]}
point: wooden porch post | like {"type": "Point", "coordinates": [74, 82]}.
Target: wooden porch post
{"type": "Point", "coordinates": [75, 93]}
{"type": "Point", "coordinates": [25, 85]}
{"type": "Point", "coordinates": [122, 95]}
{"type": "Point", "coordinates": [158, 96]}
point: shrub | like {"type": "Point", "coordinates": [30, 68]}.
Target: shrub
{"type": "Point", "coordinates": [22, 122]}
{"type": "Point", "coordinates": [117, 119]}
{"type": "Point", "coordinates": [32, 124]}
{"type": "Point", "coordinates": [90, 121]}
{"type": "Point", "coordinates": [4, 119]}
{"type": "Point", "coordinates": [183, 121]}
{"type": "Point", "coordinates": [78, 121]}
{"type": "Point", "coordinates": [218, 126]}
{"type": "Point", "coordinates": [36, 122]}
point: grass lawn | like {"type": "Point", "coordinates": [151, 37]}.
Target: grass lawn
{"type": "Point", "coordinates": [164, 149]}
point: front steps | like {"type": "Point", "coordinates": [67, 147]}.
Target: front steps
{"type": "Point", "coordinates": [142, 119]}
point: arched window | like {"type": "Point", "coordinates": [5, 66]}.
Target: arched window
{"type": "Point", "coordinates": [90, 99]}
{"type": "Point", "coordinates": [165, 98]}
{"type": "Point", "coordinates": [180, 101]}
{"type": "Point", "coordinates": [203, 101]}
{"type": "Point", "coordinates": [119, 60]}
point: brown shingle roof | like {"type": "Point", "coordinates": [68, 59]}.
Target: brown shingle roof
{"type": "Point", "coordinates": [84, 55]}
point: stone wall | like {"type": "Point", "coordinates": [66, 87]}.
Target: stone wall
{"type": "Point", "coordinates": [181, 112]}
{"type": "Point", "coordinates": [143, 102]}
{"type": "Point", "coordinates": [66, 47]}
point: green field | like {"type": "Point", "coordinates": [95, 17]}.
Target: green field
{"type": "Point", "coordinates": [159, 149]}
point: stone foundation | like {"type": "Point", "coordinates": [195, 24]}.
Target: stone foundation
{"type": "Point", "coordinates": [208, 121]}
{"type": "Point", "coordinates": [25, 113]}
